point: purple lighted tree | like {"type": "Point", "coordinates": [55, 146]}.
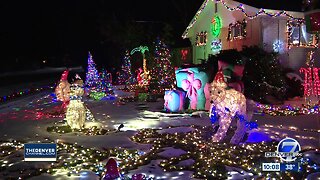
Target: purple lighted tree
{"type": "Point", "coordinates": [93, 81]}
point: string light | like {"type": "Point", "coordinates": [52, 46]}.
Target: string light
{"type": "Point", "coordinates": [241, 8]}
{"type": "Point", "coordinates": [280, 110]}
{"type": "Point", "coordinates": [26, 92]}
{"type": "Point", "coordinates": [294, 23]}
{"type": "Point", "coordinates": [201, 38]}
{"type": "Point", "coordinates": [126, 76]}
{"type": "Point", "coordinates": [92, 82]}
{"type": "Point", "coordinates": [145, 73]}
{"type": "Point", "coordinates": [239, 27]}
{"type": "Point", "coordinates": [311, 81]}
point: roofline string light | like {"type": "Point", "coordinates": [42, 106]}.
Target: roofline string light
{"type": "Point", "coordinates": [241, 8]}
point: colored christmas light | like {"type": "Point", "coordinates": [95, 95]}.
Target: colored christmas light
{"type": "Point", "coordinates": [241, 8]}
{"type": "Point", "coordinates": [201, 38]}
{"type": "Point", "coordinates": [184, 54]}
{"type": "Point", "coordinates": [162, 75]}
{"type": "Point", "coordinates": [311, 82]}
{"type": "Point", "coordinates": [241, 28]}
{"type": "Point", "coordinates": [106, 82]}
{"type": "Point", "coordinates": [92, 81]}
{"type": "Point", "coordinates": [126, 76]}
{"type": "Point", "coordinates": [291, 24]}
{"type": "Point", "coordinates": [145, 77]}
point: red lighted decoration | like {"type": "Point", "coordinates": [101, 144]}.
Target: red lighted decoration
{"type": "Point", "coordinates": [313, 22]}
{"type": "Point", "coordinates": [311, 81]}
{"type": "Point", "coordinates": [111, 170]}
{"type": "Point", "coordinates": [184, 54]}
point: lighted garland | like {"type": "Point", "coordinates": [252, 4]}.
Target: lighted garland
{"type": "Point", "coordinates": [241, 8]}
{"type": "Point", "coordinates": [298, 23]}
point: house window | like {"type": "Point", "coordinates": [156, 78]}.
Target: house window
{"type": "Point", "coordinates": [237, 30]}
{"type": "Point", "coordinates": [201, 38]}
{"type": "Point", "coordinates": [298, 36]}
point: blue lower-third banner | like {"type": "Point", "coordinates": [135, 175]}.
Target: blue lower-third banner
{"type": "Point", "coordinates": [40, 152]}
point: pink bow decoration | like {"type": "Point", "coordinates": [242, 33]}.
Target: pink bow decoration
{"type": "Point", "coordinates": [191, 85]}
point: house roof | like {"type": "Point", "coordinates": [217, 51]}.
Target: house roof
{"type": "Point", "coordinates": [288, 5]}
{"type": "Point", "coordinates": [281, 5]}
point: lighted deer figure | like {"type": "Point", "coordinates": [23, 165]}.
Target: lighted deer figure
{"type": "Point", "coordinates": [226, 104]}
{"type": "Point", "coordinates": [146, 73]}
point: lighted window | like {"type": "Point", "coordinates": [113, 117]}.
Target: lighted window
{"type": "Point", "coordinates": [201, 38]}
{"type": "Point", "coordinates": [298, 36]}
{"type": "Point", "coordinates": [237, 30]}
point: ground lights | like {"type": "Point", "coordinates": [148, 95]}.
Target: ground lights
{"type": "Point", "coordinates": [209, 158]}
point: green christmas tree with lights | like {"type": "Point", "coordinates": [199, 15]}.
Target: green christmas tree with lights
{"type": "Point", "coordinates": [106, 81]}
{"type": "Point", "coordinates": [162, 74]}
{"type": "Point", "coordinates": [126, 77]}
{"type": "Point", "coordinates": [93, 81]}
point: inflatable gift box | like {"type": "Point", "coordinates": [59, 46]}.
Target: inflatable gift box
{"type": "Point", "coordinates": [174, 100]}
{"type": "Point", "coordinates": [192, 81]}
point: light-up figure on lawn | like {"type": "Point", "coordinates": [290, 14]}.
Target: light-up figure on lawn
{"type": "Point", "coordinates": [76, 111]}
{"type": "Point", "coordinates": [145, 74]}
{"type": "Point", "coordinates": [62, 90]}
{"type": "Point", "coordinates": [226, 105]}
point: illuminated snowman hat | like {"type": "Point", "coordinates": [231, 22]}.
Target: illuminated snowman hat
{"type": "Point", "coordinates": [219, 78]}
{"type": "Point", "coordinates": [64, 76]}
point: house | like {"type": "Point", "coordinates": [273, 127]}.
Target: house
{"type": "Point", "coordinates": [221, 25]}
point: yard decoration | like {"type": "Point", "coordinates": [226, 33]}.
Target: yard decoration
{"type": "Point", "coordinates": [174, 100]}
{"type": "Point", "coordinates": [192, 81]}
{"type": "Point", "coordinates": [227, 104]}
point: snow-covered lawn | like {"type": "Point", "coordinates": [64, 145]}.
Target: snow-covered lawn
{"type": "Point", "coordinates": [20, 120]}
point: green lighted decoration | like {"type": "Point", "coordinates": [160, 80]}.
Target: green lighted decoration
{"type": "Point", "coordinates": [146, 72]}
{"type": "Point", "coordinates": [216, 26]}
{"type": "Point", "coordinates": [141, 49]}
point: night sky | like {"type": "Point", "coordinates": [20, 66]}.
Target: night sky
{"type": "Point", "coordinates": [63, 31]}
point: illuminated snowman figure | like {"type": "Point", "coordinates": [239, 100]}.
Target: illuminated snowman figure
{"type": "Point", "coordinates": [227, 104]}
{"type": "Point", "coordinates": [76, 111]}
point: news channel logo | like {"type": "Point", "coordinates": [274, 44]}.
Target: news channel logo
{"type": "Point", "coordinates": [40, 152]}
{"type": "Point", "coordinates": [288, 150]}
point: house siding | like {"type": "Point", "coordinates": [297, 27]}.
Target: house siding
{"type": "Point", "coordinates": [262, 31]}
